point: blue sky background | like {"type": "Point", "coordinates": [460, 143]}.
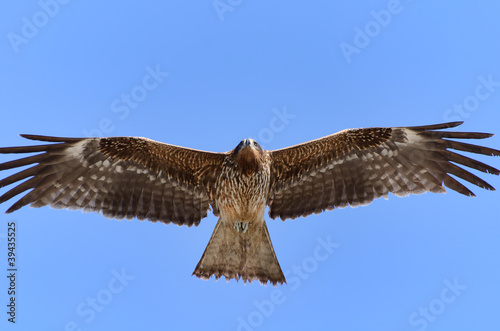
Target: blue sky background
{"type": "Point", "coordinates": [428, 262]}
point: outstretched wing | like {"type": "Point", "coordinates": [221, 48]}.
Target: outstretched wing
{"type": "Point", "coordinates": [354, 167]}
{"type": "Point", "coordinates": [122, 177]}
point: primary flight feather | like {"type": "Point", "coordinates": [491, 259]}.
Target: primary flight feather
{"type": "Point", "coordinates": [127, 177]}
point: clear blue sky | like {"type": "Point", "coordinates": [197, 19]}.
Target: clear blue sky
{"type": "Point", "coordinates": [281, 72]}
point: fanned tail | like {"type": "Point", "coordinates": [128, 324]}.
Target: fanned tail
{"type": "Point", "coordinates": [240, 253]}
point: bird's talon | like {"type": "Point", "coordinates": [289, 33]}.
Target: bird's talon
{"type": "Point", "coordinates": [243, 226]}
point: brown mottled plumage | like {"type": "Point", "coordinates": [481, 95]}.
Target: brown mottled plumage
{"type": "Point", "coordinates": [127, 177]}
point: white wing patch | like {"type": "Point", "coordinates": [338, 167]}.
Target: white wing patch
{"type": "Point", "coordinates": [76, 150]}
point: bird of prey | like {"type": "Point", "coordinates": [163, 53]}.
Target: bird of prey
{"type": "Point", "coordinates": [128, 177]}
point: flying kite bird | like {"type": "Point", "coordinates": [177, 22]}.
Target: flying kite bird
{"type": "Point", "coordinates": [127, 177]}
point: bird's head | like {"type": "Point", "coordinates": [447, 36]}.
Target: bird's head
{"type": "Point", "coordinates": [248, 153]}
{"type": "Point", "coordinates": [248, 145]}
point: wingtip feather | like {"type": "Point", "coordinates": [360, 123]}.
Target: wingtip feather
{"type": "Point", "coordinates": [439, 126]}
{"type": "Point", "coordinates": [49, 138]}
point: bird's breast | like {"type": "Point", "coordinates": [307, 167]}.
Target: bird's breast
{"type": "Point", "coordinates": [242, 196]}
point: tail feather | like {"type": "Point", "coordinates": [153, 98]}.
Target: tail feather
{"type": "Point", "coordinates": [236, 254]}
